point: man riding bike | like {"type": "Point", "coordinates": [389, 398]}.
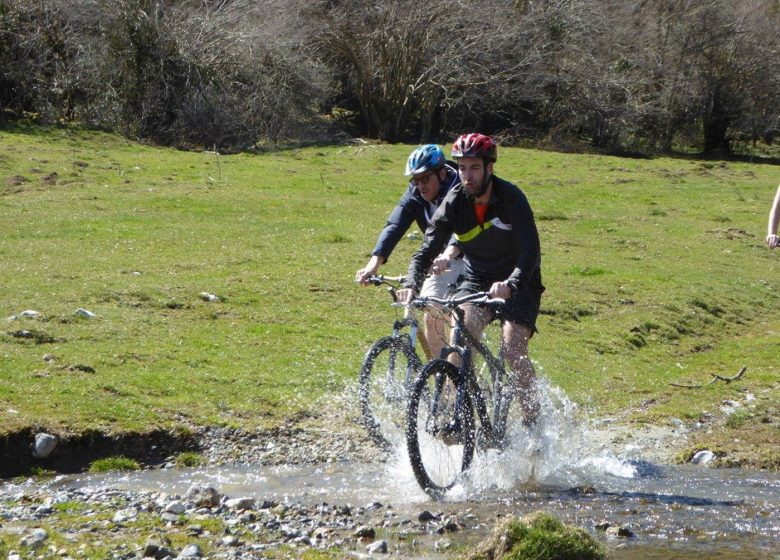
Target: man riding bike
{"type": "Point", "coordinates": [432, 177]}
{"type": "Point", "coordinates": [495, 229]}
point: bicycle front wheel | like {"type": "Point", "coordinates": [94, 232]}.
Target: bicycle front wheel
{"type": "Point", "coordinates": [388, 370]}
{"type": "Point", "coordinates": [439, 430]}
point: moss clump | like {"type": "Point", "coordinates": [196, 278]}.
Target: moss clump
{"type": "Point", "coordinates": [190, 459]}
{"type": "Point", "coordinates": [114, 464]}
{"type": "Point", "coordinates": [540, 536]}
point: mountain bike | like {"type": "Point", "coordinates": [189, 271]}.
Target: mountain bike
{"type": "Point", "coordinates": [388, 371]}
{"type": "Point", "coordinates": [441, 433]}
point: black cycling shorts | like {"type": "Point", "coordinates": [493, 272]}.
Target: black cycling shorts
{"type": "Point", "coordinates": [522, 308]}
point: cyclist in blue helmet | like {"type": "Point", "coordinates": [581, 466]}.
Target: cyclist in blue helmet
{"type": "Point", "coordinates": [432, 177]}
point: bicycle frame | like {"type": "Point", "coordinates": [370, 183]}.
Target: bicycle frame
{"type": "Point", "coordinates": [462, 343]}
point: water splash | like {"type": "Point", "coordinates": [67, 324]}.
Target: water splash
{"type": "Point", "coordinates": [563, 450]}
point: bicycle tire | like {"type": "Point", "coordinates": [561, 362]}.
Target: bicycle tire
{"type": "Point", "coordinates": [383, 395]}
{"type": "Point", "coordinates": [437, 462]}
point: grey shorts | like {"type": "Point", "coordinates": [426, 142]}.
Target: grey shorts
{"type": "Point", "coordinates": [439, 285]}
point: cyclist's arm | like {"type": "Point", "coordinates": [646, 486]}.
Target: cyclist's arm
{"type": "Point", "coordinates": [772, 239]}
{"type": "Point", "coordinates": [526, 238]}
{"type": "Point", "coordinates": [399, 221]}
{"type": "Point", "coordinates": [436, 237]}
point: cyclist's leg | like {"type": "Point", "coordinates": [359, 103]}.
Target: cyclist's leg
{"type": "Point", "coordinates": [436, 323]}
{"type": "Point", "coordinates": [520, 314]}
{"type": "Point", "coordinates": [523, 378]}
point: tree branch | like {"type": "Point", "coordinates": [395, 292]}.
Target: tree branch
{"type": "Point", "coordinates": [715, 377]}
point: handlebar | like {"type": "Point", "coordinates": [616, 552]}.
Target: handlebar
{"type": "Point", "coordinates": [379, 279]}
{"type": "Point", "coordinates": [478, 298]}
{"type": "Point", "coordinates": [393, 283]}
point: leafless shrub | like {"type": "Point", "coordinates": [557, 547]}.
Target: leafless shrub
{"type": "Point", "coordinates": [619, 75]}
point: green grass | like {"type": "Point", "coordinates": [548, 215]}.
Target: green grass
{"type": "Point", "coordinates": [114, 464]}
{"type": "Point", "coordinates": [656, 272]}
{"type": "Point", "coordinates": [190, 459]}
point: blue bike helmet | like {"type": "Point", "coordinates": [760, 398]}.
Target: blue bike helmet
{"type": "Point", "coordinates": [425, 158]}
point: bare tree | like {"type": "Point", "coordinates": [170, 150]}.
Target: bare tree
{"type": "Point", "coordinates": [227, 73]}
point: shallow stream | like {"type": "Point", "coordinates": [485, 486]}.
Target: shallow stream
{"type": "Point", "coordinates": [671, 511]}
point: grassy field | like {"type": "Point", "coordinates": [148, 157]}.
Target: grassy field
{"type": "Point", "coordinates": [656, 272]}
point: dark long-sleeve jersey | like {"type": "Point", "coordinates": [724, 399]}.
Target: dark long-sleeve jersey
{"type": "Point", "coordinates": [412, 208]}
{"type": "Point", "coordinates": [504, 248]}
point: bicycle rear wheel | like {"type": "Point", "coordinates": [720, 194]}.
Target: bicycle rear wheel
{"type": "Point", "coordinates": [439, 434]}
{"type": "Point", "coordinates": [388, 370]}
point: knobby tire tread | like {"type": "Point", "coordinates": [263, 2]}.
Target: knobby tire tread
{"type": "Point", "coordinates": [400, 344]}
{"type": "Point", "coordinates": [412, 438]}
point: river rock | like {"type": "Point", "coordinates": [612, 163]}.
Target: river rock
{"type": "Point", "coordinates": [703, 457]}
{"type": "Point", "coordinates": [450, 525]}
{"type": "Point", "coordinates": [44, 445]}
{"type": "Point", "coordinates": [230, 540]}
{"type": "Point", "coordinates": [84, 313]}
{"type": "Point", "coordinates": [156, 549]}
{"type": "Point", "coordinates": [124, 515]}
{"type": "Point", "coordinates": [191, 551]}
{"type": "Point", "coordinates": [203, 496]}
{"type": "Point", "coordinates": [377, 547]}
{"type": "Point", "coordinates": [624, 532]}
{"type": "Point", "coordinates": [320, 533]}
{"type": "Point", "coordinates": [175, 507]}
{"type": "Point", "coordinates": [35, 539]}
{"type": "Point", "coordinates": [240, 503]}
{"type": "Point", "coordinates": [364, 532]}
{"type": "Point", "coordinates": [280, 509]}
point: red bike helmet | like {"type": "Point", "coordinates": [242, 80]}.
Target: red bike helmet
{"type": "Point", "coordinates": [475, 145]}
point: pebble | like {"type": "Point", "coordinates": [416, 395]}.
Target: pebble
{"type": "Point", "coordinates": [190, 551]}
{"type": "Point", "coordinates": [377, 547]}
{"type": "Point", "coordinates": [240, 503]}
{"type": "Point", "coordinates": [624, 532]}
{"type": "Point", "coordinates": [175, 507]}
{"type": "Point", "coordinates": [364, 532]}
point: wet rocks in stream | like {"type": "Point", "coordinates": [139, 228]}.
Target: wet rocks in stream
{"type": "Point", "coordinates": [204, 523]}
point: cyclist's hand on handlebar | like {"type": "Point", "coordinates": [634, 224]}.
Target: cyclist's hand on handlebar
{"type": "Point", "coordinates": [405, 295]}
{"type": "Point", "coordinates": [366, 272]}
{"type": "Point", "coordinates": [500, 290]}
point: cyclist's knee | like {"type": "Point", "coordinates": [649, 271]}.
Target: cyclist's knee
{"type": "Point", "coordinates": [517, 335]}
